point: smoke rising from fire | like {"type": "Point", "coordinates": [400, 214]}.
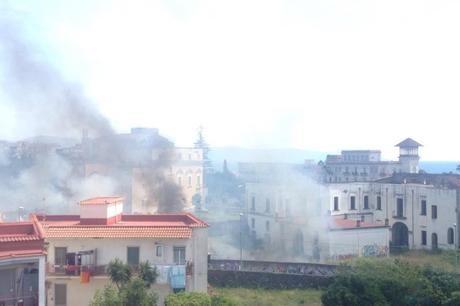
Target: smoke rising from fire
{"type": "Point", "coordinates": [45, 102]}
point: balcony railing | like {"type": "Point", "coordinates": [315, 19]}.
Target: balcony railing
{"type": "Point", "coordinates": [75, 270]}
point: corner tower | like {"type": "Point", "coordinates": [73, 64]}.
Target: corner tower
{"type": "Point", "coordinates": [408, 155]}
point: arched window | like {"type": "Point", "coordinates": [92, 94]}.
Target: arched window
{"type": "Point", "coordinates": [450, 235]}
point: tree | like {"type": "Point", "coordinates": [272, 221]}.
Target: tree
{"type": "Point", "coordinates": [147, 273]}
{"type": "Point", "coordinates": [135, 294]}
{"type": "Point", "coordinates": [119, 272]}
{"type": "Point", "coordinates": [130, 289]}
{"type": "Point", "coordinates": [200, 143]}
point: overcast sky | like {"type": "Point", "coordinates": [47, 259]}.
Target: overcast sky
{"type": "Point", "coordinates": [318, 75]}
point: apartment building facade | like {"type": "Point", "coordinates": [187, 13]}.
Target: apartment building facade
{"type": "Point", "coordinates": [81, 246]}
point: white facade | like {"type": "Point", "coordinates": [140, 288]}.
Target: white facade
{"type": "Point", "coordinates": [424, 211]}
{"type": "Point", "coordinates": [355, 242]}
{"type": "Point", "coordinates": [108, 249]}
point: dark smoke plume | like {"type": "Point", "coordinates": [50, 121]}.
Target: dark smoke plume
{"type": "Point", "coordinates": [46, 103]}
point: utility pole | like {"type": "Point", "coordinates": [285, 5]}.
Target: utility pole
{"type": "Point", "coordinates": [241, 240]}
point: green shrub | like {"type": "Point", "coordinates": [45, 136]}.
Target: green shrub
{"type": "Point", "coordinates": [392, 283]}
{"type": "Point", "coordinates": [188, 299]}
{"type": "Point", "coordinates": [219, 300]}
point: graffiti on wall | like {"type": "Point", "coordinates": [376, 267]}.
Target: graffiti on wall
{"type": "Point", "coordinates": [374, 250]}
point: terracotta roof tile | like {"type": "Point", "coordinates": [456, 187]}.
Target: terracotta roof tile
{"type": "Point", "coordinates": [117, 232]}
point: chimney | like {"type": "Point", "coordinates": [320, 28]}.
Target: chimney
{"type": "Point", "coordinates": [358, 223]}
{"type": "Point", "coordinates": [101, 210]}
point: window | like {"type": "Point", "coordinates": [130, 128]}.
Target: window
{"type": "Point", "coordinates": [423, 208]}
{"type": "Point", "coordinates": [253, 203]}
{"type": "Point", "coordinates": [60, 256]}
{"type": "Point", "coordinates": [133, 256]}
{"type": "Point", "coordinates": [267, 205]}
{"type": "Point", "coordinates": [423, 237]}
{"type": "Point", "coordinates": [450, 235]}
{"type": "Point", "coordinates": [179, 180]}
{"type": "Point", "coordinates": [352, 202]}
{"type": "Point", "coordinates": [189, 181]}
{"type": "Point", "coordinates": [379, 203]}
{"type": "Point", "coordinates": [267, 226]}
{"type": "Point", "coordinates": [434, 241]}
{"type": "Point", "coordinates": [198, 180]}
{"type": "Point", "coordinates": [159, 250]}
{"type": "Point", "coordinates": [366, 202]}
{"type": "Point", "coordinates": [336, 203]}
{"type": "Point", "coordinates": [399, 208]}
{"type": "Point", "coordinates": [60, 294]}
{"type": "Point", "coordinates": [253, 223]}
{"type": "Point", "coordinates": [434, 212]}
{"type": "Point", "coordinates": [179, 255]}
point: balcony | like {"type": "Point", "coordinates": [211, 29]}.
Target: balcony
{"type": "Point", "coordinates": [75, 270]}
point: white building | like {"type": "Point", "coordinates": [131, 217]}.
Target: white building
{"type": "Point", "coordinates": [88, 242]}
{"type": "Point", "coordinates": [421, 209]}
{"type": "Point", "coordinates": [291, 219]}
{"type": "Point", "coordinates": [367, 165]}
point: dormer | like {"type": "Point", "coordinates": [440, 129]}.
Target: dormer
{"type": "Point", "coordinates": [101, 210]}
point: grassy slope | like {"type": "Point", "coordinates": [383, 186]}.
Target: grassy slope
{"type": "Point", "coordinates": [262, 297]}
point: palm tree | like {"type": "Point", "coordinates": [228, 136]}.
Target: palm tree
{"type": "Point", "coordinates": [119, 273]}
{"type": "Point", "coordinates": [147, 273]}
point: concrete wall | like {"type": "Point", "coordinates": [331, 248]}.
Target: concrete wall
{"type": "Point", "coordinates": [359, 242]}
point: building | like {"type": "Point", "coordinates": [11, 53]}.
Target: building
{"type": "Point", "coordinates": [139, 160]}
{"type": "Point", "coordinates": [349, 238]}
{"type": "Point", "coordinates": [22, 264]}
{"type": "Point", "coordinates": [289, 210]}
{"type": "Point", "coordinates": [421, 209]}
{"type": "Point", "coordinates": [367, 165]}
{"type": "Point", "coordinates": [81, 246]}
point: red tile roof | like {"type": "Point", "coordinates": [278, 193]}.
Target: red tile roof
{"type": "Point", "coordinates": [21, 253]}
{"type": "Point", "coordinates": [176, 226]}
{"type": "Point", "coordinates": [101, 200]}
{"type": "Point", "coordinates": [117, 232]}
{"type": "Point", "coordinates": [20, 239]}
{"type": "Point", "coordinates": [339, 223]}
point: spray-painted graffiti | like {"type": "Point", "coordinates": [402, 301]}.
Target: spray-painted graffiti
{"type": "Point", "coordinates": [374, 250]}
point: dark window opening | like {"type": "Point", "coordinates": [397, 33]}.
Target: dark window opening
{"type": "Point", "coordinates": [366, 202]}
{"type": "Point", "coordinates": [423, 208]}
{"type": "Point", "coordinates": [379, 203]}
{"type": "Point", "coordinates": [399, 208]}
{"type": "Point", "coordinates": [352, 202]}
{"type": "Point", "coordinates": [450, 235]}
{"type": "Point", "coordinates": [423, 237]}
{"type": "Point", "coordinates": [434, 212]}
{"type": "Point", "coordinates": [336, 203]}
{"type": "Point", "coordinates": [133, 256]}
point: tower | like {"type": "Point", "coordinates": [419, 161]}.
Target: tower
{"type": "Point", "coordinates": [408, 155]}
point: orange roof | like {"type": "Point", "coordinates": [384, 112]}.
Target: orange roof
{"type": "Point", "coordinates": [20, 239]}
{"type": "Point", "coordinates": [101, 200]}
{"type": "Point", "coordinates": [21, 253]}
{"type": "Point", "coordinates": [340, 223]}
{"type": "Point", "coordinates": [176, 226]}
{"type": "Point", "coordinates": [117, 232]}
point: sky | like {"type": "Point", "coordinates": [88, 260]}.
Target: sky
{"type": "Point", "coordinates": [315, 75]}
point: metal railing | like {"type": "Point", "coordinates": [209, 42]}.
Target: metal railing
{"type": "Point", "coordinates": [75, 270]}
